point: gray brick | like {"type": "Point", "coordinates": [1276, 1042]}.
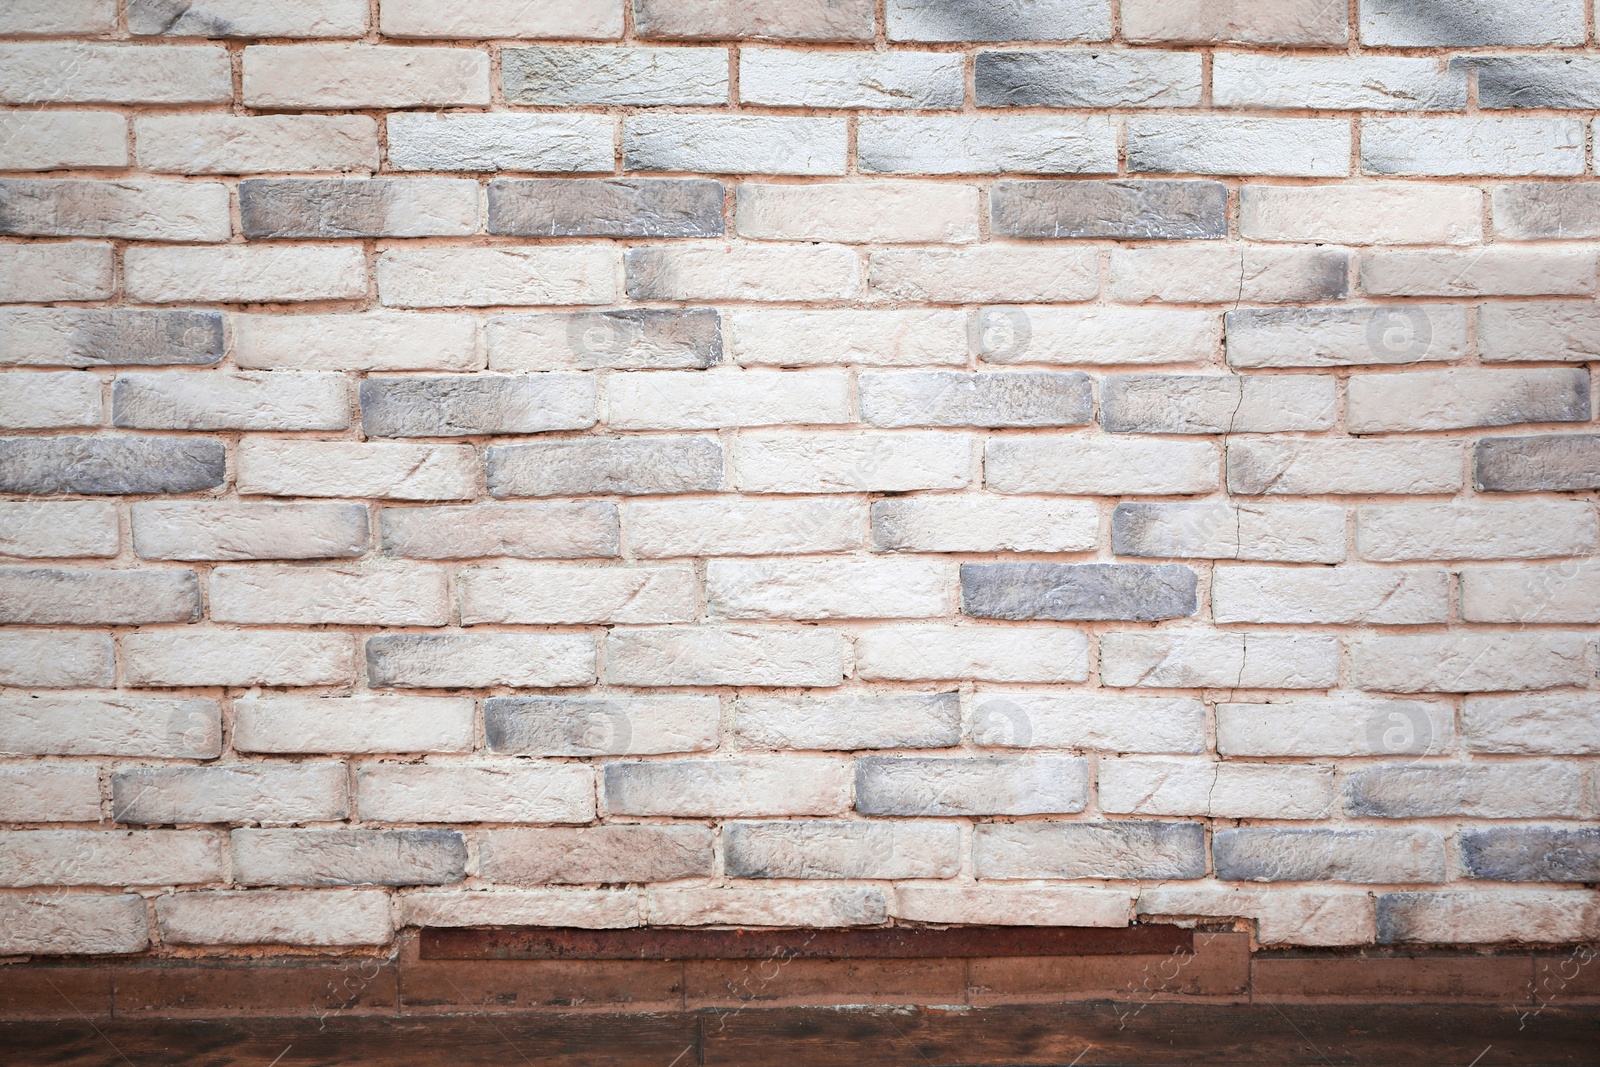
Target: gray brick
{"type": "Point", "coordinates": [1088, 78]}
{"type": "Point", "coordinates": [1179, 210]}
{"type": "Point", "coordinates": [1533, 210]}
{"type": "Point", "coordinates": [801, 20]}
{"type": "Point", "coordinates": [358, 207]}
{"type": "Point", "coordinates": [139, 210]}
{"type": "Point", "coordinates": [956, 398]}
{"type": "Point", "coordinates": [805, 849]}
{"type": "Point", "coordinates": [1570, 82]}
{"type": "Point", "coordinates": [986, 20]}
{"type": "Point", "coordinates": [1275, 854]}
{"type": "Point", "coordinates": [1126, 849]}
{"type": "Point", "coordinates": [1481, 790]}
{"type": "Point", "coordinates": [1470, 23]}
{"type": "Point", "coordinates": [628, 466]}
{"type": "Point", "coordinates": [596, 854]}
{"type": "Point", "coordinates": [520, 531]}
{"type": "Point", "coordinates": [606, 207]}
{"type": "Point", "coordinates": [1343, 337]}
{"type": "Point", "coordinates": [1076, 592]}
{"type": "Point", "coordinates": [271, 792]}
{"type": "Point", "coordinates": [1227, 144]}
{"type": "Point", "coordinates": [597, 726]}
{"type": "Point", "coordinates": [108, 466]}
{"type": "Point", "coordinates": [1542, 332]}
{"type": "Point", "coordinates": [1214, 403]}
{"type": "Point", "coordinates": [117, 598]}
{"type": "Point", "coordinates": [348, 857]}
{"type": "Point", "coordinates": [898, 80]}
{"type": "Point", "coordinates": [972, 785]}
{"type": "Point", "coordinates": [556, 76]}
{"type": "Point", "coordinates": [1532, 853]}
{"type": "Point", "coordinates": [1559, 462]}
{"type": "Point", "coordinates": [97, 337]}
{"type": "Point", "coordinates": [635, 339]}
{"type": "Point", "coordinates": [471, 405]}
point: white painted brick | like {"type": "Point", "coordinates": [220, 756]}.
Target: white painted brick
{"type": "Point", "coordinates": [742, 787]}
{"type": "Point", "coordinates": [984, 653]}
{"type": "Point", "coordinates": [1276, 533]}
{"type": "Point", "coordinates": [1471, 661]}
{"type": "Point", "coordinates": [1446, 147]}
{"type": "Point", "coordinates": [362, 724]}
{"type": "Point", "coordinates": [503, 18]}
{"type": "Point", "coordinates": [1362, 213]}
{"type": "Point", "coordinates": [390, 470]}
{"type": "Point", "coordinates": [802, 907]}
{"type": "Point", "coordinates": [378, 340]}
{"type": "Point", "coordinates": [216, 530]}
{"type": "Point", "coordinates": [1091, 465]}
{"type": "Point", "coordinates": [1342, 83]}
{"type": "Point", "coordinates": [1488, 272]}
{"type": "Point", "coordinates": [78, 270]}
{"type": "Point", "coordinates": [588, 909]}
{"type": "Point", "coordinates": [712, 399]}
{"type": "Point", "coordinates": [322, 918]}
{"type": "Point", "coordinates": [981, 523]}
{"type": "Point", "coordinates": [830, 589]}
{"type": "Point", "coordinates": [860, 213]}
{"type": "Point", "coordinates": [110, 724]}
{"type": "Point", "coordinates": [236, 274]}
{"type": "Point", "coordinates": [488, 792]}
{"type": "Point", "coordinates": [1381, 596]}
{"type": "Point", "coordinates": [362, 75]}
{"type": "Point", "coordinates": [1217, 790]}
{"type": "Point", "coordinates": [110, 857]}
{"type": "Point", "coordinates": [72, 72]}
{"type": "Point", "coordinates": [987, 144]}
{"type": "Point", "coordinates": [55, 659]}
{"type": "Point", "coordinates": [985, 273]}
{"type": "Point", "coordinates": [1305, 467]}
{"type": "Point", "coordinates": [254, 594]}
{"type": "Point", "coordinates": [62, 140]}
{"type": "Point", "coordinates": [1349, 725]}
{"type": "Point", "coordinates": [1545, 331]}
{"type": "Point", "coordinates": [743, 526]}
{"type": "Point", "coordinates": [245, 18]}
{"type": "Point", "coordinates": [58, 16]}
{"type": "Point", "coordinates": [1093, 719]}
{"type": "Point", "coordinates": [483, 277]}
{"type": "Point", "coordinates": [1486, 530]}
{"type": "Point", "coordinates": [212, 400]}
{"type": "Point", "coordinates": [229, 657]}
{"type": "Point", "coordinates": [1313, 148]}
{"type": "Point", "coordinates": [895, 80]}
{"type": "Point", "coordinates": [1534, 724]}
{"type": "Point", "coordinates": [1217, 274]}
{"type": "Point", "coordinates": [554, 593]}
{"type": "Point", "coordinates": [1299, 917]}
{"type": "Point", "coordinates": [515, 142]}
{"type": "Point", "coordinates": [796, 338]}
{"type": "Point", "coordinates": [744, 272]}
{"type": "Point", "coordinates": [851, 463]}
{"type": "Point", "coordinates": [1414, 23]}
{"type": "Point", "coordinates": [1465, 397]}
{"type": "Point", "coordinates": [1013, 905]}
{"type": "Point", "coordinates": [767, 656]}
{"type": "Point", "coordinates": [734, 144]}
{"type": "Point", "coordinates": [1095, 336]}
{"type": "Point", "coordinates": [49, 401]}
{"type": "Point", "coordinates": [1177, 659]}
{"type": "Point", "coordinates": [50, 792]}
{"type": "Point", "coordinates": [850, 719]}
{"type": "Point", "coordinates": [1565, 592]}
{"type": "Point", "coordinates": [73, 924]}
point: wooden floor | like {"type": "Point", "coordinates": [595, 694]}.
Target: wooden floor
{"type": "Point", "coordinates": [1092, 1034]}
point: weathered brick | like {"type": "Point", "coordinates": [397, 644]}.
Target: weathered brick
{"type": "Point", "coordinates": [241, 18]}
{"type": "Point", "coordinates": [562, 76]}
{"type": "Point", "coordinates": [1382, 596]}
{"type": "Point", "coordinates": [1469, 145]}
{"type": "Point", "coordinates": [1419, 24]}
{"type": "Point", "coordinates": [1282, 854]}
{"type": "Point", "coordinates": [239, 658]}
{"type": "Point", "coordinates": [1294, 22]}
{"type": "Point", "coordinates": [1177, 659]}
{"type": "Point", "coordinates": [218, 530]}
{"type": "Point", "coordinates": [115, 598]}
{"type": "Point", "coordinates": [109, 465]}
{"type": "Point", "coordinates": [742, 526]}
{"type": "Point", "coordinates": [1092, 719]}
{"type": "Point", "coordinates": [1074, 592]}
{"type": "Point", "coordinates": [348, 857]}
{"type": "Point", "coordinates": [592, 909]}
{"type": "Point", "coordinates": [557, 594]}
{"type": "Point", "coordinates": [1218, 790]}
{"type": "Point", "coordinates": [356, 468]}
{"type": "Point", "coordinates": [62, 140]}
{"type": "Point", "coordinates": [486, 792]}
{"type": "Point", "coordinates": [478, 661]}
{"type": "Point", "coordinates": [110, 857]}
{"type": "Point", "coordinates": [1099, 465]}
{"type": "Point", "coordinates": [806, 20]}
{"type": "Point", "coordinates": [1220, 274]}
{"type": "Point", "coordinates": [1115, 209]}
{"type": "Point", "coordinates": [1471, 661]}
{"type": "Point", "coordinates": [1545, 331]}
{"type": "Point", "coordinates": [1283, 916]}
{"type": "Point", "coordinates": [1096, 335]}
{"type": "Point", "coordinates": [635, 339]}
{"type": "Point", "coordinates": [595, 726]}
{"type": "Point", "coordinates": [1487, 272]}
{"type": "Point", "coordinates": [93, 337]}
{"type": "Point", "coordinates": [556, 530]}
{"type": "Point", "coordinates": [1533, 724]}
{"type": "Point", "coordinates": [1371, 83]}
{"type": "Point", "coordinates": [504, 275]}
{"type": "Point", "coordinates": [828, 908]}
{"type": "Point", "coordinates": [368, 341]}
{"type": "Point", "coordinates": [1173, 144]}
{"type": "Point", "coordinates": [327, 918]}
{"type": "Point", "coordinates": [594, 207]}
{"type": "Point", "coordinates": [51, 792]}
{"type": "Point", "coordinates": [1123, 849]}
{"type": "Point", "coordinates": [1211, 404]}
{"type": "Point", "coordinates": [1531, 853]}
{"type": "Point", "coordinates": [369, 207]}
{"type": "Point", "coordinates": [744, 272]}
{"type": "Point", "coordinates": [953, 398]}
{"type": "Point", "coordinates": [743, 787]}
{"type": "Point", "coordinates": [734, 144]}
{"type": "Point", "coordinates": [981, 523]}
{"type": "Point", "coordinates": [504, 18]}
{"type": "Point", "coordinates": [458, 406]}
{"type": "Point", "coordinates": [848, 721]}
{"type": "Point", "coordinates": [866, 212]}
{"type": "Point", "coordinates": [361, 724]}
{"type": "Point", "coordinates": [1558, 81]}
{"type": "Point", "coordinates": [80, 72]}
{"type": "Point", "coordinates": [1083, 79]}
{"type": "Point", "coordinates": [281, 400]}
{"type": "Point", "coordinates": [279, 792]}
{"type": "Point", "coordinates": [1533, 915]}
{"type": "Point", "coordinates": [1013, 905]}
{"type": "Point", "coordinates": [1342, 337]}
{"type": "Point", "coordinates": [794, 338]}
{"type": "Point", "coordinates": [245, 275]}
{"type": "Point", "coordinates": [26, 17]}
{"type": "Point", "coordinates": [63, 530]}
{"type": "Point", "coordinates": [981, 653]}
{"type": "Point", "coordinates": [1362, 213]}
{"type": "Point", "coordinates": [80, 270]}
{"type": "Point", "coordinates": [887, 80]}
{"type": "Point", "coordinates": [74, 924]}
{"type": "Point", "coordinates": [709, 400]}
{"type": "Point", "coordinates": [623, 465]}
{"type": "Point", "coordinates": [1308, 467]}
{"type": "Point", "coordinates": [1483, 791]}
{"type": "Point", "coordinates": [1277, 533]}
{"type": "Point", "coordinates": [973, 20]}
{"type": "Point", "coordinates": [49, 401]}
{"type": "Point", "coordinates": [790, 462]}
{"type": "Point", "coordinates": [1350, 725]}
{"type": "Point", "coordinates": [576, 856]}
{"type": "Point", "coordinates": [198, 143]}
{"type": "Point", "coordinates": [383, 595]}
{"type": "Point", "coordinates": [1556, 461]}
{"type": "Point", "coordinates": [984, 273]}
{"type": "Point", "coordinates": [95, 724]}
{"type": "Point", "coordinates": [54, 659]}
{"type": "Point", "coordinates": [829, 589]}
{"type": "Point", "coordinates": [803, 849]}
{"type": "Point", "coordinates": [330, 76]}
{"type": "Point", "coordinates": [576, 144]}
{"type": "Point", "coordinates": [971, 785]}
{"type": "Point", "coordinates": [986, 144]}
{"type": "Point", "coordinates": [765, 656]}
{"type": "Point", "coordinates": [1522, 530]}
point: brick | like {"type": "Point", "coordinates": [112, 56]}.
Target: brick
{"type": "Point", "coordinates": [1217, 790]}
{"type": "Point", "coordinates": [1522, 530]}
{"type": "Point", "coordinates": [1545, 331]}
{"type": "Point", "coordinates": [742, 526]}
{"type": "Point", "coordinates": [602, 909]}
{"type": "Point", "coordinates": [241, 18]}
{"type": "Point", "coordinates": [986, 144]}
{"type": "Point", "coordinates": [49, 401]}
{"type": "Point", "coordinates": [330, 918]}
{"type": "Point", "coordinates": [1253, 854]}
{"type": "Point", "coordinates": [237, 658]}
{"type": "Point", "coordinates": [1535, 210]}
{"type": "Point", "coordinates": [361, 724]}
{"type": "Point", "coordinates": [53, 659]}
{"type": "Point", "coordinates": [75, 924]}
{"type": "Point", "coordinates": [504, 18]}
{"type": "Point", "coordinates": [374, 469]}
{"type": "Point", "coordinates": [1096, 719]}
{"type": "Point", "coordinates": [743, 787]}
{"type": "Point", "coordinates": [1139, 209]}
{"type": "Point", "coordinates": [562, 594]}
{"type": "Point", "coordinates": [576, 856]}
{"type": "Point", "coordinates": [804, 20]}
{"type": "Point", "coordinates": [1371, 83]}
{"type": "Point", "coordinates": [1211, 404]}
{"type": "Point", "coordinates": [1218, 274]}
{"type": "Point", "coordinates": [506, 275]}
{"type": "Point", "coordinates": [330, 76]}
{"type": "Point", "coordinates": [786, 462]}
{"type": "Point", "coordinates": [368, 341]}
{"type": "Point", "coordinates": [94, 337]}
{"type": "Point", "coordinates": [62, 140]}
{"type": "Point", "coordinates": [1318, 148]}
{"type": "Point", "coordinates": [1445, 147]}
{"type": "Point", "coordinates": [592, 207]}
{"type": "Point", "coordinates": [194, 143]}
{"type": "Point", "coordinates": [1072, 592]}
{"type": "Point", "coordinates": [1362, 213]}
{"type": "Point", "coordinates": [51, 792]}
{"type": "Point", "coordinates": [1095, 335]}
{"type": "Point", "coordinates": [1230, 660]}
{"type": "Point", "coordinates": [372, 207]}
{"type": "Point", "coordinates": [804, 907]}
{"type": "Point", "coordinates": [1533, 724]}
{"type": "Point", "coordinates": [478, 661]}
{"type": "Point", "coordinates": [348, 857]}
{"type": "Point", "coordinates": [1345, 595]}
{"type": "Point", "coordinates": [1531, 853]}
{"type": "Point", "coordinates": [764, 656]}
{"type": "Point", "coordinates": [954, 398]}
{"type": "Point", "coordinates": [583, 726]}
{"type": "Point", "coordinates": [481, 404]}
{"type": "Point", "coordinates": [803, 849]}
{"type": "Point", "coordinates": [1349, 725]}
{"type": "Point", "coordinates": [1013, 906]}
{"type": "Point", "coordinates": [1483, 791]}
{"type": "Point", "coordinates": [984, 273]}
{"type": "Point", "coordinates": [866, 212]}
{"type": "Point", "coordinates": [79, 72]}
{"type": "Point", "coordinates": [488, 792]}
{"type": "Point", "coordinates": [115, 598]}
{"type": "Point", "coordinates": [878, 80]}
{"type": "Point", "coordinates": [1083, 79]}
{"type": "Point", "coordinates": [970, 20]}
{"type": "Point", "coordinates": [970, 785]}
{"type": "Point", "coordinates": [217, 530]}
{"type": "Point", "coordinates": [115, 857]}
{"type": "Point", "coordinates": [1535, 915]}
{"type": "Point", "coordinates": [635, 339]}
{"type": "Point", "coordinates": [709, 400]}
{"type": "Point", "coordinates": [979, 653]}
{"type": "Point", "coordinates": [284, 400]}
{"type": "Point", "coordinates": [521, 142]}
{"type": "Point", "coordinates": [830, 589]}
{"type": "Point", "coordinates": [981, 523]}
{"type": "Point", "coordinates": [556, 530]}
{"type": "Point", "coordinates": [849, 721]}
{"type": "Point", "coordinates": [1558, 81]}
{"type": "Point", "coordinates": [349, 595]}
{"type": "Point", "coordinates": [59, 16]}
{"type": "Point", "coordinates": [1283, 916]}
{"type": "Point", "coordinates": [792, 338]}
{"type": "Point", "coordinates": [298, 792]}
{"type": "Point", "coordinates": [1295, 22]}
{"type": "Point", "coordinates": [622, 465]}
{"type": "Point", "coordinates": [1123, 849]}
{"type": "Point", "coordinates": [744, 272]}
{"type": "Point", "coordinates": [1557, 461]}
{"type": "Point", "coordinates": [80, 270]}
{"type": "Point", "coordinates": [1291, 467]}
{"type": "Point", "coordinates": [1343, 337]}
{"type": "Point", "coordinates": [110, 724]}
{"type": "Point", "coordinates": [1418, 24]}
{"type": "Point", "coordinates": [236, 274]}
{"type": "Point", "coordinates": [1279, 533]}
{"type": "Point", "coordinates": [64, 530]}
{"type": "Point", "coordinates": [109, 465]}
{"type": "Point", "coordinates": [734, 144]}
{"type": "Point", "coordinates": [1488, 272]}
{"type": "Point", "coordinates": [563, 76]}
{"type": "Point", "coordinates": [1099, 465]}
{"type": "Point", "coordinates": [1470, 661]}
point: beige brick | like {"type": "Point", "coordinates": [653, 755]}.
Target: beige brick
{"type": "Point", "coordinates": [109, 724]}
{"type": "Point", "coordinates": [742, 787]}
{"type": "Point", "coordinates": [1177, 659]}
{"type": "Point", "coordinates": [54, 659]}
{"type": "Point", "coordinates": [573, 856]}
{"type": "Point", "coordinates": [1522, 530]}
{"type": "Point", "coordinates": [361, 724]}
{"type": "Point", "coordinates": [391, 595]}
{"type": "Point", "coordinates": [51, 792]}
{"type": "Point", "coordinates": [50, 401]}
{"type": "Point", "coordinates": [744, 272]}
{"type": "Point", "coordinates": [1465, 398]}
{"type": "Point", "coordinates": [1491, 916]}
{"type": "Point", "coordinates": [360, 75]}
{"type": "Point", "coordinates": [215, 400]}
{"type": "Point", "coordinates": [220, 793]}
{"type": "Point", "coordinates": [743, 526]}
{"type": "Point", "coordinates": [249, 144]}
{"type": "Point", "coordinates": [1215, 790]}
{"type": "Point", "coordinates": [851, 463]}
{"type": "Point", "coordinates": [79, 270]}
{"type": "Point", "coordinates": [1487, 272]}
{"type": "Point", "coordinates": [1099, 465]}
{"type": "Point", "coordinates": [982, 523]}
{"type": "Point", "coordinates": [65, 530]}
{"type": "Point", "coordinates": [228, 657]}
{"type": "Point", "coordinates": [713, 399]}
{"type": "Point", "coordinates": [1545, 331]}
{"type": "Point", "coordinates": [62, 140]}
{"type": "Point", "coordinates": [1470, 662]}
{"type": "Point", "coordinates": [983, 653]}
{"type": "Point", "coordinates": [1380, 596]}
{"type": "Point", "coordinates": [859, 213]}
{"type": "Point", "coordinates": [1301, 22]}
{"type": "Point", "coordinates": [555, 593]}
{"type": "Point", "coordinates": [488, 792]}
{"type": "Point", "coordinates": [1343, 725]}
{"type": "Point", "coordinates": [206, 530]}
{"type": "Point", "coordinates": [1565, 592]}
{"type": "Point", "coordinates": [1217, 274]}
{"type": "Point", "coordinates": [752, 655]}
{"type": "Point", "coordinates": [559, 530]}
{"type": "Point", "coordinates": [1299, 917]}
{"type": "Point", "coordinates": [107, 597]}
{"type": "Point", "coordinates": [589, 909]}
{"type": "Point", "coordinates": [1364, 213]}
{"type": "Point", "coordinates": [985, 274]}
{"type": "Point", "coordinates": [802, 907]}
{"type": "Point", "coordinates": [63, 72]}
{"type": "Point", "coordinates": [1096, 719]}
{"type": "Point", "coordinates": [793, 338]}
{"type": "Point", "coordinates": [1304, 467]}
{"type": "Point", "coordinates": [392, 471]}
{"type": "Point", "coordinates": [73, 924]}
{"type": "Point", "coordinates": [379, 340]}
{"type": "Point", "coordinates": [477, 661]}
{"type": "Point", "coordinates": [110, 857]}
{"type": "Point", "coordinates": [503, 18]}
{"type": "Point", "coordinates": [58, 16]}
{"type": "Point", "coordinates": [832, 589]}
{"type": "Point", "coordinates": [236, 274]}
{"type": "Point", "coordinates": [487, 277]}
{"type": "Point", "coordinates": [1013, 905]}
{"type": "Point", "coordinates": [1095, 336]}
{"type": "Point", "coordinates": [322, 918]}
{"type": "Point", "coordinates": [245, 18]}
